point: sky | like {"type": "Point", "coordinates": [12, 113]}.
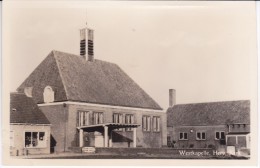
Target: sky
{"type": "Point", "coordinates": [206, 51]}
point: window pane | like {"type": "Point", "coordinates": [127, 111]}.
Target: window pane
{"type": "Point", "coordinates": [132, 119]}
{"type": "Point", "coordinates": [185, 136]}
{"type": "Point", "coordinates": [101, 118]}
{"type": "Point", "coordinates": [222, 135]}
{"type": "Point", "coordinates": [114, 118]}
{"type": "Point", "coordinates": [154, 123]}
{"type": "Point", "coordinates": [41, 136]}
{"type": "Point", "coordinates": [158, 124]}
{"type": "Point", "coordinates": [28, 136]}
{"type": "Point", "coordinates": [203, 135]}
{"type": "Point", "coordinates": [35, 139]}
{"type": "Point", "coordinates": [144, 123]}
{"type": "Point", "coordinates": [148, 123]}
{"type": "Point", "coordinates": [127, 119]}
{"type": "Point", "coordinates": [198, 135]}
{"type": "Point", "coordinates": [81, 118]}
{"type": "Point", "coordinates": [217, 135]}
{"type": "Point", "coordinates": [96, 118]}
{"type": "Point", "coordinates": [120, 118]}
{"type": "Point", "coordinates": [86, 118]}
{"type": "Point", "coordinates": [181, 135]}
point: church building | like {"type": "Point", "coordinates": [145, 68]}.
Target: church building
{"type": "Point", "coordinates": [90, 102]}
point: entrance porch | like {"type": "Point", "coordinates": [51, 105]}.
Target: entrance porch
{"type": "Point", "coordinates": [105, 140]}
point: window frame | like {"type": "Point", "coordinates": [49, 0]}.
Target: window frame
{"type": "Point", "coordinates": [48, 95]}
{"type": "Point", "coordinates": [147, 124]}
{"type": "Point", "coordinates": [156, 124]}
{"type": "Point", "coordinates": [38, 138]}
{"type": "Point", "coordinates": [86, 113]}
{"type": "Point", "coordinates": [183, 139]}
{"type": "Point", "coordinates": [131, 119]}
{"type": "Point", "coordinates": [219, 135]}
{"type": "Point", "coordinates": [98, 119]}
{"type": "Point", "coordinates": [200, 139]}
{"type": "Point", "coordinates": [118, 121]}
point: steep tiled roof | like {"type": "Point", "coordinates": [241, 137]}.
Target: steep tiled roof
{"type": "Point", "coordinates": [75, 79]}
{"type": "Point", "coordinates": [24, 110]}
{"type": "Point", "coordinates": [213, 113]}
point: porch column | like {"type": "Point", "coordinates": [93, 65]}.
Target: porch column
{"type": "Point", "coordinates": [110, 140]}
{"type": "Point", "coordinates": [134, 137]}
{"type": "Point", "coordinates": [81, 138]}
{"type": "Point", "coordinates": [105, 136]}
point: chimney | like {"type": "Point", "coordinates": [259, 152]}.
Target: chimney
{"type": "Point", "coordinates": [172, 97]}
{"type": "Point", "coordinates": [87, 43]}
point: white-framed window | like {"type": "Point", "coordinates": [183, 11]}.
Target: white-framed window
{"type": "Point", "coordinates": [11, 138]}
{"type": "Point", "coordinates": [98, 117]}
{"type": "Point", "coordinates": [146, 122]}
{"type": "Point", "coordinates": [35, 139]}
{"type": "Point", "coordinates": [83, 118]}
{"type": "Point", "coordinates": [220, 135]}
{"type": "Point", "coordinates": [48, 95]}
{"type": "Point", "coordinates": [156, 124]}
{"type": "Point", "coordinates": [118, 118]}
{"type": "Point", "coordinates": [129, 119]}
{"type": "Point", "coordinates": [183, 136]}
{"type": "Point", "coordinates": [201, 135]}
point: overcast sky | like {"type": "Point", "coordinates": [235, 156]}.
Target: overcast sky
{"type": "Point", "coordinates": [204, 50]}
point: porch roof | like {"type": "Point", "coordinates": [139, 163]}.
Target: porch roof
{"type": "Point", "coordinates": [110, 125]}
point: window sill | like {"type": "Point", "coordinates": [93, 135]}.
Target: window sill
{"type": "Point", "coordinates": [183, 139]}
{"type": "Point", "coordinates": [200, 139]}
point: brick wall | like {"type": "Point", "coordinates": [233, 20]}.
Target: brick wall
{"type": "Point", "coordinates": [192, 142]}
{"type": "Point", "coordinates": [65, 118]}
{"type": "Point", "coordinates": [58, 117]}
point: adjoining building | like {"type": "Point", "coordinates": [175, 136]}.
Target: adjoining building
{"type": "Point", "coordinates": [90, 102]}
{"type": "Point", "coordinates": [29, 127]}
{"type": "Point", "coordinates": [224, 126]}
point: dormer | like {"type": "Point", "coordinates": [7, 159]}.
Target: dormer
{"type": "Point", "coordinates": [48, 95]}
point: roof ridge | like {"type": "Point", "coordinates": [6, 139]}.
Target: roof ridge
{"type": "Point", "coordinates": [212, 102]}
{"type": "Point", "coordinates": [62, 79]}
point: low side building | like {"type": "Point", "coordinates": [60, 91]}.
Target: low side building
{"type": "Point", "coordinates": [224, 126]}
{"type": "Point", "coordinates": [29, 128]}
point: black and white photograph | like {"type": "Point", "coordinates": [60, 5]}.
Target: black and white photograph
{"type": "Point", "coordinates": [147, 82]}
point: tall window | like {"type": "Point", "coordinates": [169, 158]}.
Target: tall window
{"type": "Point", "coordinates": [98, 118]}
{"type": "Point", "coordinates": [201, 136]}
{"type": "Point", "coordinates": [118, 118]}
{"type": "Point", "coordinates": [183, 136]}
{"type": "Point", "coordinates": [220, 135]}
{"type": "Point", "coordinates": [146, 123]}
{"type": "Point", "coordinates": [129, 119]}
{"type": "Point", "coordinates": [11, 138]}
{"type": "Point", "coordinates": [83, 118]}
{"type": "Point", "coordinates": [156, 124]}
{"type": "Point", "coordinates": [35, 139]}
